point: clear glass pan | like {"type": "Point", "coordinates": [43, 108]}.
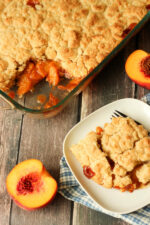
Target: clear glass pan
{"type": "Point", "coordinates": [29, 104]}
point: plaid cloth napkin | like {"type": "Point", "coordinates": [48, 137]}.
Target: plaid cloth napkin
{"type": "Point", "coordinates": [70, 189]}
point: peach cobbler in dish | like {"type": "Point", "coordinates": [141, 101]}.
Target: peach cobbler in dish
{"type": "Point", "coordinates": [45, 39]}
{"type": "Point", "coordinates": [117, 156]}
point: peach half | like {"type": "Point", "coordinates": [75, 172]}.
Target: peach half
{"type": "Point", "coordinates": [138, 68]}
{"type": "Point", "coordinates": [30, 185]}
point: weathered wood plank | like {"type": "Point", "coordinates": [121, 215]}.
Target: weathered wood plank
{"type": "Point", "coordinates": [83, 215]}
{"type": "Point", "coordinates": [110, 85]}
{"type": "Point", "coordinates": [42, 139]}
{"type": "Point", "coordinates": [10, 128]}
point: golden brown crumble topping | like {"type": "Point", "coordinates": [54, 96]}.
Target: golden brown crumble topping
{"type": "Point", "coordinates": [77, 34]}
{"type": "Point", "coordinates": [122, 159]}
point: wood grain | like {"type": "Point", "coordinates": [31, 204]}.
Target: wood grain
{"type": "Point", "coordinates": [42, 139]}
{"type": "Point", "coordinates": [83, 215]}
{"type": "Point", "coordinates": [10, 128]}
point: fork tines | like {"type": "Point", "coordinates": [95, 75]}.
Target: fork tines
{"type": "Point", "coordinates": [120, 114]}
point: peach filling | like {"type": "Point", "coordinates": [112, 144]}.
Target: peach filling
{"type": "Point", "coordinates": [99, 130]}
{"type": "Point", "coordinates": [33, 3]}
{"type": "Point", "coordinates": [41, 99]}
{"type": "Point", "coordinates": [37, 71]}
{"type": "Point", "coordinates": [88, 172]}
{"type": "Point", "coordinates": [129, 187]}
{"type": "Point", "coordinates": [51, 102]}
{"type": "Point", "coordinates": [127, 31]}
{"type": "Point", "coordinates": [34, 73]}
{"type": "Point", "coordinates": [11, 94]}
{"type": "Point", "coordinates": [145, 66]}
{"type": "Point", "coordinates": [148, 7]}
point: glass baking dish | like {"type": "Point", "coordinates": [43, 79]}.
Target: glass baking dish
{"type": "Point", "coordinates": [29, 105]}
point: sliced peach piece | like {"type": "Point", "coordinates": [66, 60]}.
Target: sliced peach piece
{"type": "Point", "coordinates": [50, 70]}
{"type": "Point", "coordinates": [138, 68]}
{"type": "Point", "coordinates": [34, 73]}
{"type": "Point", "coordinates": [28, 79]}
{"type": "Point", "coordinates": [30, 185]}
{"type": "Point", "coordinates": [53, 75]}
{"type": "Point", "coordinates": [42, 67]}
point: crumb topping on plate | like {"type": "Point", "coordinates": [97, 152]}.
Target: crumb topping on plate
{"type": "Point", "coordinates": [119, 156]}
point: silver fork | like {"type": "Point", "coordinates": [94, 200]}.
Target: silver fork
{"type": "Point", "coordinates": [120, 114]}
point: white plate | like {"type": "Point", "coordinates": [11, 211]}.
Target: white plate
{"type": "Point", "coordinates": [111, 200]}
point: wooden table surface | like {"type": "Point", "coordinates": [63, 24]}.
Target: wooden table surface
{"type": "Point", "coordinates": [22, 138]}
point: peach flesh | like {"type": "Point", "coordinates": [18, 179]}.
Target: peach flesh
{"type": "Point", "coordinates": [33, 209]}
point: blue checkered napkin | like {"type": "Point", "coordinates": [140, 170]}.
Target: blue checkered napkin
{"type": "Point", "coordinates": [70, 189]}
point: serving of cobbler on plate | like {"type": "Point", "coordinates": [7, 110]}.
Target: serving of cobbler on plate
{"type": "Point", "coordinates": [44, 39]}
{"type": "Point", "coordinates": [117, 156]}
